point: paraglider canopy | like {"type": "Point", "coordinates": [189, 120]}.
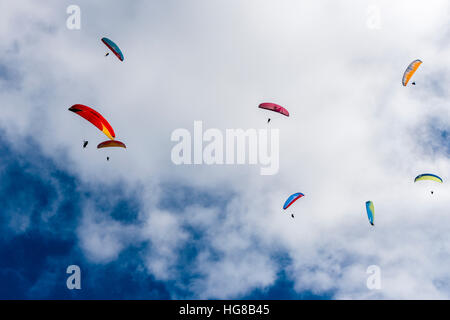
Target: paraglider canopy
{"type": "Point", "coordinates": [292, 198]}
{"type": "Point", "coordinates": [370, 211]}
{"type": "Point", "coordinates": [95, 118]}
{"type": "Point", "coordinates": [113, 47]}
{"type": "Point", "coordinates": [274, 107]}
{"type": "Point", "coordinates": [412, 68]}
{"type": "Point", "coordinates": [111, 143]}
{"type": "Point", "coordinates": [428, 176]}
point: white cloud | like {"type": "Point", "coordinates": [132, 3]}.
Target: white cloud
{"type": "Point", "coordinates": [103, 239]}
{"type": "Point", "coordinates": [354, 133]}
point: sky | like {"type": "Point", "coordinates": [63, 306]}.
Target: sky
{"type": "Point", "coordinates": [141, 227]}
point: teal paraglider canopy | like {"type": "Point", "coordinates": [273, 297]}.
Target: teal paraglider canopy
{"type": "Point", "coordinates": [113, 47]}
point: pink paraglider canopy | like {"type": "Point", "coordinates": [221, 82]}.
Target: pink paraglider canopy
{"type": "Point", "coordinates": [274, 107]}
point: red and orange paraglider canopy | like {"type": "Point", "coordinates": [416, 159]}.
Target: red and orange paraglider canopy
{"type": "Point", "coordinates": [95, 118]}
